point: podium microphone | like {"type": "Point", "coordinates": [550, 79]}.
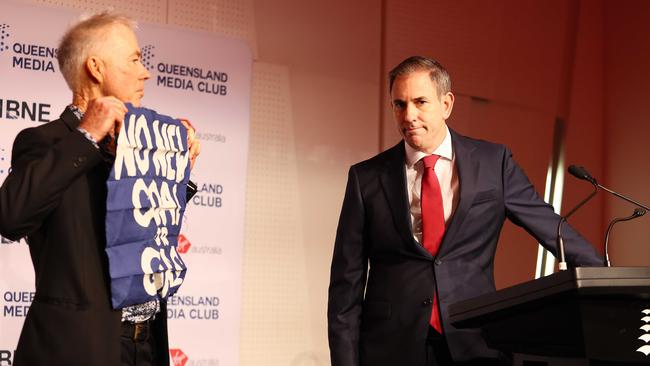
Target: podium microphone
{"type": "Point", "coordinates": [580, 173]}
{"type": "Point", "coordinates": [638, 212]}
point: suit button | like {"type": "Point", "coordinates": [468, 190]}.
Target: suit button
{"type": "Point", "coordinates": [427, 302]}
{"type": "Point", "coordinates": [78, 161]}
{"type": "Point", "coordinates": [438, 262]}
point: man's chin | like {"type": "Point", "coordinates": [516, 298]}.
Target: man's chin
{"type": "Point", "coordinates": [136, 103]}
{"type": "Point", "coordinates": [417, 143]}
{"type": "Point", "coordinates": [413, 142]}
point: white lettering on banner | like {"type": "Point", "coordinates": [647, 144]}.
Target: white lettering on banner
{"type": "Point", "coordinates": [162, 202]}
{"type": "Point", "coordinates": [140, 128]}
{"type": "Point", "coordinates": [160, 158]}
{"type": "Point", "coordinates": [139, 145]}
{"type": "Point", "coordinates": [167, 137]}
{"type": "Point", "coordinates": [161, 236]}
{"type": "Point", "coordinates": [126, 153]}
{"type": "Point", "coordinates": [170, 268]}
{"type": "Point", "coordinates": [149, 282]}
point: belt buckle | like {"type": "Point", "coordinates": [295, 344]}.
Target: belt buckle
{"type": "Point", "coordinates": [138, 330]}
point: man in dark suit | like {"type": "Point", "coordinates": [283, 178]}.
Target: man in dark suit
{"type": "Point", "coordinates": [55, 195]}
{"type": "Point", "coordinates": [418, 231]}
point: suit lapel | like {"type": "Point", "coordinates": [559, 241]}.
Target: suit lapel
{"type": "Point", "coordinates": [467, 167]}
{"type": "Point", "coordinates": [393, 182]}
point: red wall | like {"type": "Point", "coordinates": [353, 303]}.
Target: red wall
{"type": "Point", "coordinates": [627, 126]}
{"type": "Point", "coordinates": [529, 62]}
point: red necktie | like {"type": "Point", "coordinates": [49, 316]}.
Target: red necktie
{"type": "Point", "coordinates": [433, 221]}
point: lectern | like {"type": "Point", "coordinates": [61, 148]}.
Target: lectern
{"type": "Point", "coordinates": [599, 314]}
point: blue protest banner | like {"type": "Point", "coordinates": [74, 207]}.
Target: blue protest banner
{"type": "Point", "coordinates": [145, 206]}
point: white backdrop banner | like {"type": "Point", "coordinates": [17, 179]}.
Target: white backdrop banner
{"type": "Point", "coordinates": [198, 76]}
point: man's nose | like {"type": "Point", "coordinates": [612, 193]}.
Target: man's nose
{"type": "Point", "coordinates": [410, 112]}
{"type": "Point", "coordinates": [145, 73]}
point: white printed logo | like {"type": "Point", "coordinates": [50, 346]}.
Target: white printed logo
{"type": "Point", "coordinates": [645, 337]}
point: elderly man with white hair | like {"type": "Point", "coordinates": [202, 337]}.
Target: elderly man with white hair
{"type": "Point", "coordinates": [55, 196]}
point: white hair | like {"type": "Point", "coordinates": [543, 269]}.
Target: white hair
{"type": "Point", "coordinates": [84, 38]}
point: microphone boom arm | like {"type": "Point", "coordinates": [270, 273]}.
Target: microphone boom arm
{"type": "Point", "coordinates": [582, 173]}
{"type": "Point", "coordinates": [560, 241]}
{"type": "Point", "coordinates": [624, 197]}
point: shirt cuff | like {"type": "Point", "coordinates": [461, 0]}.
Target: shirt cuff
{"type": "Point", "coordinates": [88, 136]}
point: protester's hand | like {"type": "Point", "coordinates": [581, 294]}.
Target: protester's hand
{"type": "Point", "coordinates": [103, 116]}
{"type": "Point", "coordinates": [194, 146]}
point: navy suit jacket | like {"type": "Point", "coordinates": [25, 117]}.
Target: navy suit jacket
{"type": "Point", "coordinates": [383, 280]}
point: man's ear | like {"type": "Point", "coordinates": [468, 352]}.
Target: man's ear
{"type": "Point", "coordinates": [447, 102]}
{"type": "Point", "coordinates": [95, 69]}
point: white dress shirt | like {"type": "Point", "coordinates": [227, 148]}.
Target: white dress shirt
{"type": "Point", "coordinates": [445, 170]}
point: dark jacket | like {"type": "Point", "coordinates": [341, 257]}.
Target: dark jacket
{"type": "Point", "coordinates": [384, 320]}
{"type": "Point", "coordinates": [55, 195]}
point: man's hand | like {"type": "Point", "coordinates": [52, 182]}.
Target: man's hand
{"type": "Point", "coordinates": [194, 146]}
{"type": "Point", "coordinates": [103, 116]}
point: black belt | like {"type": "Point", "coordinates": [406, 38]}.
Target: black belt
{"type": "Point", "coordinates": [137, 331]}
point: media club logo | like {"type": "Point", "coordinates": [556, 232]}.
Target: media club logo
{"type": "Point", "coordinates": [184, 77]}
{"type": "Point", "coordinates": [148, 57]}
{"type": "Point", "coordinates": [183, 244]}
{"type": "Point", "coordinates": [4, 36]}
{"type": "Point", "coordinates": [178, 357]}
{"type": "Point", "coordinates": [27, 55]}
